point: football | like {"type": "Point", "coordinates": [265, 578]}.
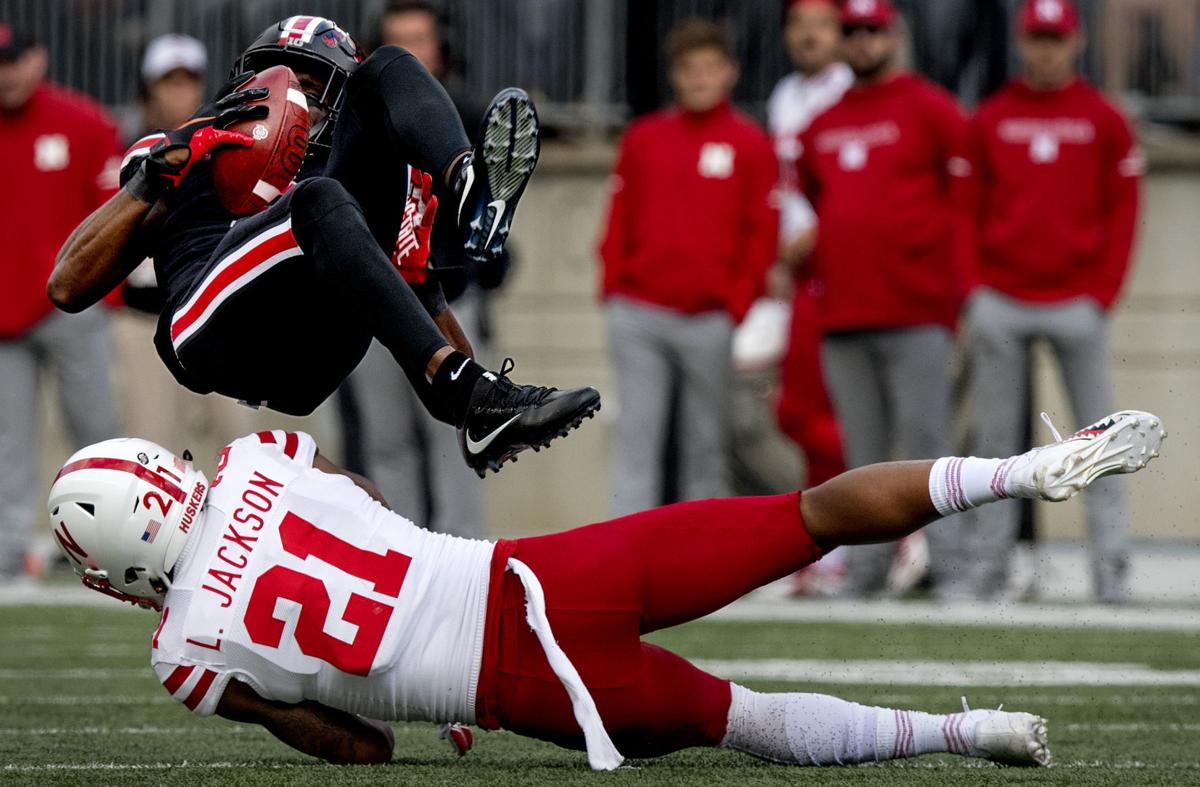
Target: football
{"type": "Point", "coordinates": [248, 179]}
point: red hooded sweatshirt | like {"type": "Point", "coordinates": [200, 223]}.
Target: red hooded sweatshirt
{"type": "Point", "coordinates": [1058, 177]}
{"type": "Point", "coordinates": [888, 172]}
{"type": "Point", "coordinates": [60, 155]}
{"type": "Point", "coordinates": [692, 223]}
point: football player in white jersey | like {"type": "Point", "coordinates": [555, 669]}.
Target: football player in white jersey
{"type": "Point", "coordinates": [292, 597]}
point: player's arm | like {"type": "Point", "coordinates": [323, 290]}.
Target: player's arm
{"type": "Point", "coordinates": [325, 466]}
{"type": "Point", "coordinates": [101, 252]}
{"type": "Point", "coordinates": [111, 242]}
{"type": "Point", "coordinates": [317, 730]}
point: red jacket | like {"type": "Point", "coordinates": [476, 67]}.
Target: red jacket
{"type": "Point", "coordinates": [692, 225]}
{"type": "Point", "coordinates": [1058, 177]}
{"type": "Point", "coordinates": [888, 171]}
{"type": "Point", "coordinates": [59, 155]}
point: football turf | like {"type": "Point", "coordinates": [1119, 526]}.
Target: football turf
{"type": "Point", "coordinates": [79, 705]}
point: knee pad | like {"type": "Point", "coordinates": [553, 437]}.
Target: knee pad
{"type": "Point", "coordinates": [316, 196]}
{"type": "Point", "coordinates": [318, 201]}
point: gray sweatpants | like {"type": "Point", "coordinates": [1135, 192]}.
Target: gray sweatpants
{"type": "Point", "coordinates": [1000, 332]}
{"type": "Point", "coordinates": [763, 461]}
{"type": "Point", "coordinates": [891, 392]}
{"type": "Point", "coordinates": [656, 352]}
{"type": "Point", "coordinates": [77, 349]}
{"type": "Point", "coordinates": [407, 451]}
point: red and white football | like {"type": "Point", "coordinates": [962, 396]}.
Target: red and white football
{"type": "Point", "coordinates": [248, 179]}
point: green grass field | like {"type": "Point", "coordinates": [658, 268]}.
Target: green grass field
{"type": "Point", "coordinates": [79, 705]}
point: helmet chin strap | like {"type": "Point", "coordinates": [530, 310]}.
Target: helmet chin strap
{"type": "Point", "coordinates": [98, 580]}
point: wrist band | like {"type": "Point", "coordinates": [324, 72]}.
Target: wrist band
{"type": "Point", "coordinates": [141, 188]}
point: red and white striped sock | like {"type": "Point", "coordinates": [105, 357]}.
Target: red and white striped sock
{"type": "Point", "coordinates": [959, 483]}
{"type": "Point", "coordinates": [908, 733]}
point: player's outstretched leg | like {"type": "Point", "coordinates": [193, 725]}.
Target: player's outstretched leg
{"type": "Point", "coordinates": [888, 501]}
{"type": "Point", "coordinates": [718, 550]}
{"type": "Point", "coordinates": [497, 417]}
{"type": "Point", "coordinates": [500, 166]}
{"type": "Point", "coordinates": [816, 729]}
{"type": "Point", "coordinates": [397, 114]}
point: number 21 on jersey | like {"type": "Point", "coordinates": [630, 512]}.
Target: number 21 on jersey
{"type": "Point", "coordinates": [304, 539]}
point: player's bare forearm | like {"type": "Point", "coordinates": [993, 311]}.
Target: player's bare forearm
{"type": "Point", "coordinates": [869, 505]}
{"type": "Point", "coordinates": [327, 733]}
{"type": "Point", "coordinates": [99, 253]}
{"type": "Point", "coordinates": [447, 323]}
{"type": "Point", "coordinates": [326, 466]}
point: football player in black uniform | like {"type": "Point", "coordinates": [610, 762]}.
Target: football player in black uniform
{"type": "Point", "coordinates": [275, 309]}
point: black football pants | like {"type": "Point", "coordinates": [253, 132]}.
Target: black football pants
{"type": "Point", "coordinates": [292, 296]}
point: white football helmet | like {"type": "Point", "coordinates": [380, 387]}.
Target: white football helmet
{"type": "Point", "coordinates": [121, 511]}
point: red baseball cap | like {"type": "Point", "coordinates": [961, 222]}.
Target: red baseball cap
{"type": "Point", "coordinates": [1053, 17]}
{"type": "Point", "coordinates": [13, 42]}
{"type": "Point", "coordinates": [874, 13]}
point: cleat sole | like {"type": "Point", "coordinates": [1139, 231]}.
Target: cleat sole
{"type": "Point", "coordinates": [496, 465]}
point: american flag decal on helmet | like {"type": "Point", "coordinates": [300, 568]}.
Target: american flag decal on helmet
{"type": "Point", "coordinates": [151, 531]}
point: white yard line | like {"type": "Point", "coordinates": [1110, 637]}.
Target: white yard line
{"type": "Point", "coordinates": [769, 604]}
{"type": "Point", "coordinates": [153, 766]}
{"type": "Point", "coordinates": [765, 605]}
{"type": "Point", "coordinates": [890, 699]}
{"type": "Point", "coordinates": [94, 699]}
{"type": "Point", "coordinates": [1133, 726]}
{"type": "Point", "coordinates": [81, 673]}
{"type": "Point", "coordinates": [864, 672]}
{"type": "Point", "coordinates": [949, 673]}
{"type": "Point", "coordinates": [893, 699]}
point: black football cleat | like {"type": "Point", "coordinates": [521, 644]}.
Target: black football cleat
{"type": "Point", "coordinates": [501, 165]}
{"type": "Point", "coordinates": [503, 418]}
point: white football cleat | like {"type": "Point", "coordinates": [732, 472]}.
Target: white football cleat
{"type": "Point", "coordinates": [1012, 738]}
{"type": "Point", "coordinates": [1123, 442]}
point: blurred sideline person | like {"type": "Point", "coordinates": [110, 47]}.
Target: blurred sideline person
{"type": "Point", "coordinates": [812, 35]}
{"type": "Point", "coordinates": [59, 153]}
{"type": "Point", "coordinates": [1059, 170]}
{"type": "Point", "coordinates": [1161, 30]}
{"type": "Point", "coordinates": [691, 232]}
{"type": "Point", "coordinates": [539, 636]}
{"type": "Point", "coordinates": [887, 170]}
{"type": "Point", "coordinates": [150, 401]}
{"type": "Point", "coordinates": [405, 450]}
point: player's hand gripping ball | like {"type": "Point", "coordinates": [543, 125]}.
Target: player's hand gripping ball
{"type": "Point", "coordinates": [150, 172]}
{"type": "Point", "coordinates": [250, 178]}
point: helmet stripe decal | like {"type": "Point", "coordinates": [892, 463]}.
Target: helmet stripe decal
{"type": "Point", "coordinates": [125, 466]}
{"type": "Point", "coordinates": [299, 29]}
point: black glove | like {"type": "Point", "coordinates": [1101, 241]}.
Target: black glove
{"type": "Point", "coordinates": [204, 132]}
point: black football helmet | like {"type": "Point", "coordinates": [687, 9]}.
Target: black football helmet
{"type": "Point", "coordinates": [319, 46]}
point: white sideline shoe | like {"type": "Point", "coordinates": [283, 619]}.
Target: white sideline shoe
{"type": "Point", "coordinates": [1012, 738]}
{"type": "Point", "coordinates": [1123, 442]}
